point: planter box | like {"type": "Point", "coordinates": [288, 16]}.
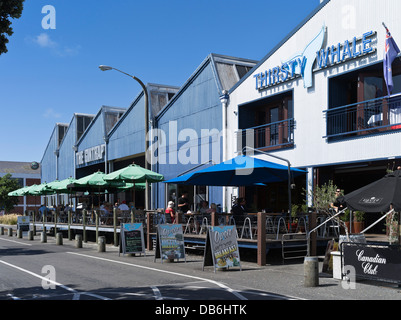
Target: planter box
{"type": "Point", "coordinates": [336, 258]}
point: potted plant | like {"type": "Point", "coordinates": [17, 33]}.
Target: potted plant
{"type": "Point", "coordinates": [358, 223]}
{"type": "Point", "coordinates": [293, 224]}
{"type": "Point", "coordinates": [392, 227]}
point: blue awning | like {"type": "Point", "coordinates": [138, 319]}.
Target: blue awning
{"type": "Point", "coordinates": [240, 171]}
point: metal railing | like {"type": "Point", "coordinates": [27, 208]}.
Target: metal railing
{"type": "Point", "coordinates": [372, 116]}
{"type": "Point", "coordinates": [270, 135]}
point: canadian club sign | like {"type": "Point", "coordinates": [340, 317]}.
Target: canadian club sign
{"type": "Point", "coordinates": [374, 262]}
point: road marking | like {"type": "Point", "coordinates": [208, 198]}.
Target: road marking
{"type": "Point", "coordinates": [234, 292]}
{"type": "Point", "coordinates": [25, 244]}
{"type": "Point", "coordinates": [13, 297]}
{"type": "Point", "coordinates": [75, 292]}
{"type": "Point", "coordinates": [157, 293]}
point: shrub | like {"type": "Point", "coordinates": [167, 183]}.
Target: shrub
{"type": "Point", "coordinates": [9, 219]}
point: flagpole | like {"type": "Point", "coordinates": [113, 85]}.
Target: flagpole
{"type": "Point", "coordinates": [384, 25]}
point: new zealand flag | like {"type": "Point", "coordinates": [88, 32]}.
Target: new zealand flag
{"type": "Point", "coordinates": [390, 53]}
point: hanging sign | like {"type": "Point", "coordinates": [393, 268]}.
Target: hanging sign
{"type": "Point", "coordinates": [221, 249]}
{"type": "Point", "coordinates": [170, 242]}
{"type": "Point", "coordinates": [132, 239]}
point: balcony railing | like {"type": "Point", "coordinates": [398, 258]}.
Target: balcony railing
{"type": "Point", "coordinates": [367, 117]}
{"type": "Point", "coordinates": [269, 136]}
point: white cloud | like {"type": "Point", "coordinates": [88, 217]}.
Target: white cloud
{"type": "Point", "coordinates": [44, 41]}
{"type": "Point", "coordinates": [51, 114]}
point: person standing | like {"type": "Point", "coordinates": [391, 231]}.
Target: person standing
{"type": "Point", "coordinates": [183, 202]}
{"type": "Point", "coordinates": [238, 211]}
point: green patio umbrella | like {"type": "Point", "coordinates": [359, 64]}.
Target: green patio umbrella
{"type": "Point", "coordinates": [61, 186]}
{"type": "Point", "coordinates": [19, 192]}
{"type": "Point", "coordinates": [134, 174]}
{"type": "Point", "coordinates": [38, 190]}
{"type": "Point", "coordinates": [94, 181]}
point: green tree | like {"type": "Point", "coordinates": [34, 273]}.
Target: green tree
{"type": "Point", "coordinates": [8, 184]}
{"type": "Point", "coordinates": [8, 9]}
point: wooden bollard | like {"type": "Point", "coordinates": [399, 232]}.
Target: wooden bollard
{"type": "Point", "coordinates": [10, 232]}
{"type": "Point", "coordinates": [78, 241]}
{"type": "Point", "coordinates": [19, 233]}
{"type": "Point", "coordinates": [1, 231]}
{"type": "Point", "coordinates": [30, 235]}
{"type": "Point", "coordinates": [261, 239]}
{"type": "Point", "coordinates": [59, 239]}
{"type": "Point", "coordinates": [101, 244]}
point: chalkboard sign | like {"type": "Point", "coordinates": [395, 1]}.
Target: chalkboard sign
{"type": "Point", "coordinates": [170, 242]}
{"type": "Point", "coordinates": [221, 249]}
{"type": "Point", "coordinates": [132, 239]}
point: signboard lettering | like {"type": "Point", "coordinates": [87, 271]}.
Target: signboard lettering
{"type": "Point", "coordinates": [170, 242]}
{"type": "Point", "coordinates": [374, 262]}
{"type": "Point", "coordinates": [301, 64]}
{"type": "Point", "coordinates": [90, 155]}
{"type": "Point", "coordinates": [221, 249]}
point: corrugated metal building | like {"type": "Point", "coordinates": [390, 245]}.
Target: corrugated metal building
{"type": "Point", "coordinates": [112, 138]}
{"type": "Point", "coordinates": [191, 125]}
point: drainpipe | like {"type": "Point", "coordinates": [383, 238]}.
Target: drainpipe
{"type": "Point", "coordinates": [106, 159]}
{"type": "Point", "coordinates": [56, 153]}
{"type": "Point", "coordinates": [224, 102]}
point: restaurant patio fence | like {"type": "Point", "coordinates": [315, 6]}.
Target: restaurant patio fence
{"type": "Point", "coordinates": [260, 231]}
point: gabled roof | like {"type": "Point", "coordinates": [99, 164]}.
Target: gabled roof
{"type": "Point", "coordinates": [227, 73]}
{"type": "Point", "coordinates": [154, 106]}
{"type": "Point", "coordinates": [310, 16]}
{"type": "Point", "coordinates": [103, 109]}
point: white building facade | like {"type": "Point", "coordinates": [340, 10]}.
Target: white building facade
{"type": "Point", "coordinates": [319, 98]}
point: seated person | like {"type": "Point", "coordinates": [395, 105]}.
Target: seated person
{"type": "Point", "coordinates": [205, 207]}
{"type": "Point", "coordinates": [170, 210]}
{"type": "Point", "coordinates": [123, 206]}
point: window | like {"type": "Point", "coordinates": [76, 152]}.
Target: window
{"type": "Point", "coordinates": [267, 123]}
{"type": "Point", "coordinates": [82, 123]}
{"type": "Point", "coordinates": [242, 70]}
{"type": "Point", "coordinates": [111, 118]}
{"type": "Point", "coordinates": [61, 133]}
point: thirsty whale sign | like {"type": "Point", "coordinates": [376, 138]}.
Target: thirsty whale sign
{"type": "Point", "coordinates": [302, 63]}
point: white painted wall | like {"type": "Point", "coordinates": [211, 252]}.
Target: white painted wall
{"type": "Point", "coordinates": [344, 20]}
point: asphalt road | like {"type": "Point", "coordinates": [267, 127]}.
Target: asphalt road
{"type": "Point", "coordinates": [30, 270]}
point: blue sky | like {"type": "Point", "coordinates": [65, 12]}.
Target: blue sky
{"type": "Point", "coordinates": [48, 74]}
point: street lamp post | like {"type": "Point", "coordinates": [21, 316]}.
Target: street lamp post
{"type": "Point", "coordinates": [145, 91]}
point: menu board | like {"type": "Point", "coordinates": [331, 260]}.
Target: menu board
{"type": "Point", "coordinates": [132, 239]}
{"type": "Point", "coordinates": [221, 249]}
{"type": "Point", "coordinates": [170, 242]}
